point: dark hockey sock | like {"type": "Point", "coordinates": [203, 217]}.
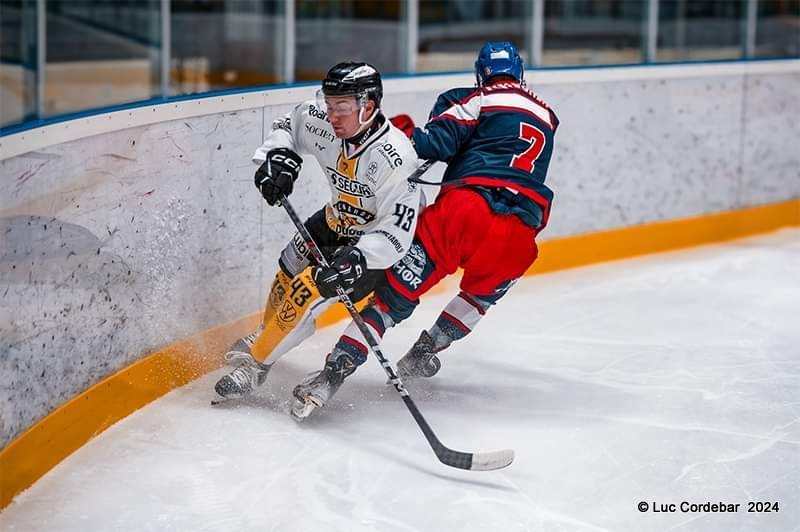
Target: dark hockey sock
{"type": "Point", "coordinates": [350, 347]}
{"type": "Point", "coordinates": [376, 319]}
{"type": "Point", "coordinates": [444, 332]}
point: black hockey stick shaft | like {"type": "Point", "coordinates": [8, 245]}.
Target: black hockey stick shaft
{"type": "Point", "coordinates": [445, 455]}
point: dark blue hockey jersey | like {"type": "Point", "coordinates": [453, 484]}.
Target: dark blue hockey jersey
{"type": "Point", "coordinates": [498, 138]}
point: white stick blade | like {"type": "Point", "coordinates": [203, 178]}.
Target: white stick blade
{"type": "Point", "coordinates": [492, 460]}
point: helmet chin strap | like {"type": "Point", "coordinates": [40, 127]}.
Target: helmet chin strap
{"type": "Point", "coordinates": [365, 123]}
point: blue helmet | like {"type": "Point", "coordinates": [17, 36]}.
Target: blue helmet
{"type": "Point", "coordinates": [496, 58]}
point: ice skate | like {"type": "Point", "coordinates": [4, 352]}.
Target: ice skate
{"type": "Point", "coordinates": [318, 387]}
{"type": "Point", "coordinates": [242, 380]}
{"type": "Point", "coordinates": [239, 351]}
{"type": "Point", "coordinates": [421, 359]}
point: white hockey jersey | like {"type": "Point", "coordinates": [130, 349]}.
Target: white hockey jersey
{"type": "Point", "coordinates": [371, 197]}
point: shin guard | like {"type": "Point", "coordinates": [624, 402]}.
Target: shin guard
{"type": "Point", "coordinates": [289, 318]}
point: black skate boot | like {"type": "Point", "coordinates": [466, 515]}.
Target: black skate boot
{"type": "Point", "coordinates": [421, 359]}
{"type": "Point", "coordinates": [242, 380]}
{"type": "Point", "coordinates": [318, 387]}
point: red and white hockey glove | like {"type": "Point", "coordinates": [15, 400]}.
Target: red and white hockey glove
{"type": "Point", "coordinates": [404, 123]}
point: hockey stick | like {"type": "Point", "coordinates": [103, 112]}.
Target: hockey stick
{"type": "Point", "coordinates": [472, 461]}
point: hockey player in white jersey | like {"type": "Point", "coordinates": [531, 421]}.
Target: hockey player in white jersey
{"type": "Point", "coordinates": [366, 226]}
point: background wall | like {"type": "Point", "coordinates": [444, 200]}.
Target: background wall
{"type": "Point", "coordinates": [116, 244]}
{"type": "Point", "coordinates": [636, 150]}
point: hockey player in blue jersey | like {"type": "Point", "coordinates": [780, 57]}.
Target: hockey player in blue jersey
{"type": "Point", "coordinates": [497, 141]}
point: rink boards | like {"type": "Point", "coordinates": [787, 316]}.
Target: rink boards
{"type": "Point", "coordinates": [134, 246]}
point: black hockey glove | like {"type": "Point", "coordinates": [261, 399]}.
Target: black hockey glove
{"type": "Point", "coordinates": [277, 174]}
{"type": "Point", "coordinates": [346, 267]}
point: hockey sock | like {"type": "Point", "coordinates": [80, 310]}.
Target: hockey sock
{"type": "Point", "coordinates": [377, 320]}
{"type": "Point", "coordinates": [457, 319]}
{"type": "Point", "coordinates": [289, 318]}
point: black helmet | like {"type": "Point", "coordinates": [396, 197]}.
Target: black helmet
{"type": "Point", "coordinates": [354, 79]}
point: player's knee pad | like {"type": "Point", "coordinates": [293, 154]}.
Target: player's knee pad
{"type": "Point", "coordinates": [396, 306]}
{"type": "Point", "coordinates": [494, 296]}
{"type": "Point", "coordinates": [376, 315]}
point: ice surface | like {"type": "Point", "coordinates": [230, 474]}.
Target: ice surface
{"type": "Point", "coordinates": [669, 378]}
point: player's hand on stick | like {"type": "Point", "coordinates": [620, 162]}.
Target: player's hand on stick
{"type": "Point", "coordinates": [276, 176]}
{"type": "Point", "coordinates": [346, 267]}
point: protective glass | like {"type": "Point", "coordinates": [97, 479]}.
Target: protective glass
{"type": "Point", "coordinates": [339, 106]}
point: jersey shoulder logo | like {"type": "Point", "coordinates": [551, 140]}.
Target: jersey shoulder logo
{"type": "Point", "coordinates": [317, 113]}
{"type": "Point", "coordinates": [391, 154]}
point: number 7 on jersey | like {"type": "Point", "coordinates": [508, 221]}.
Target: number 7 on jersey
{"type": "Point", "coordinates": [526, 160]}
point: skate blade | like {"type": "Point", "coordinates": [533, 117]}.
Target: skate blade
{"type": "Point", "coordinates": [301, 410]}
{"type": "Point", "coordinates": [303, 407]}
{"type": "Point", "coordinates": [221, 400]}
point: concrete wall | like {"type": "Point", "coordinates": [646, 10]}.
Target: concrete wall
{"type": "Point", "coordinates": [634, 149]}
{"type": "Point", "coordinates": [116, 245]}
{"type": "Point", "coordinates": [642, 151]}
{"type": "Point", "coordinates": [123, 233]}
